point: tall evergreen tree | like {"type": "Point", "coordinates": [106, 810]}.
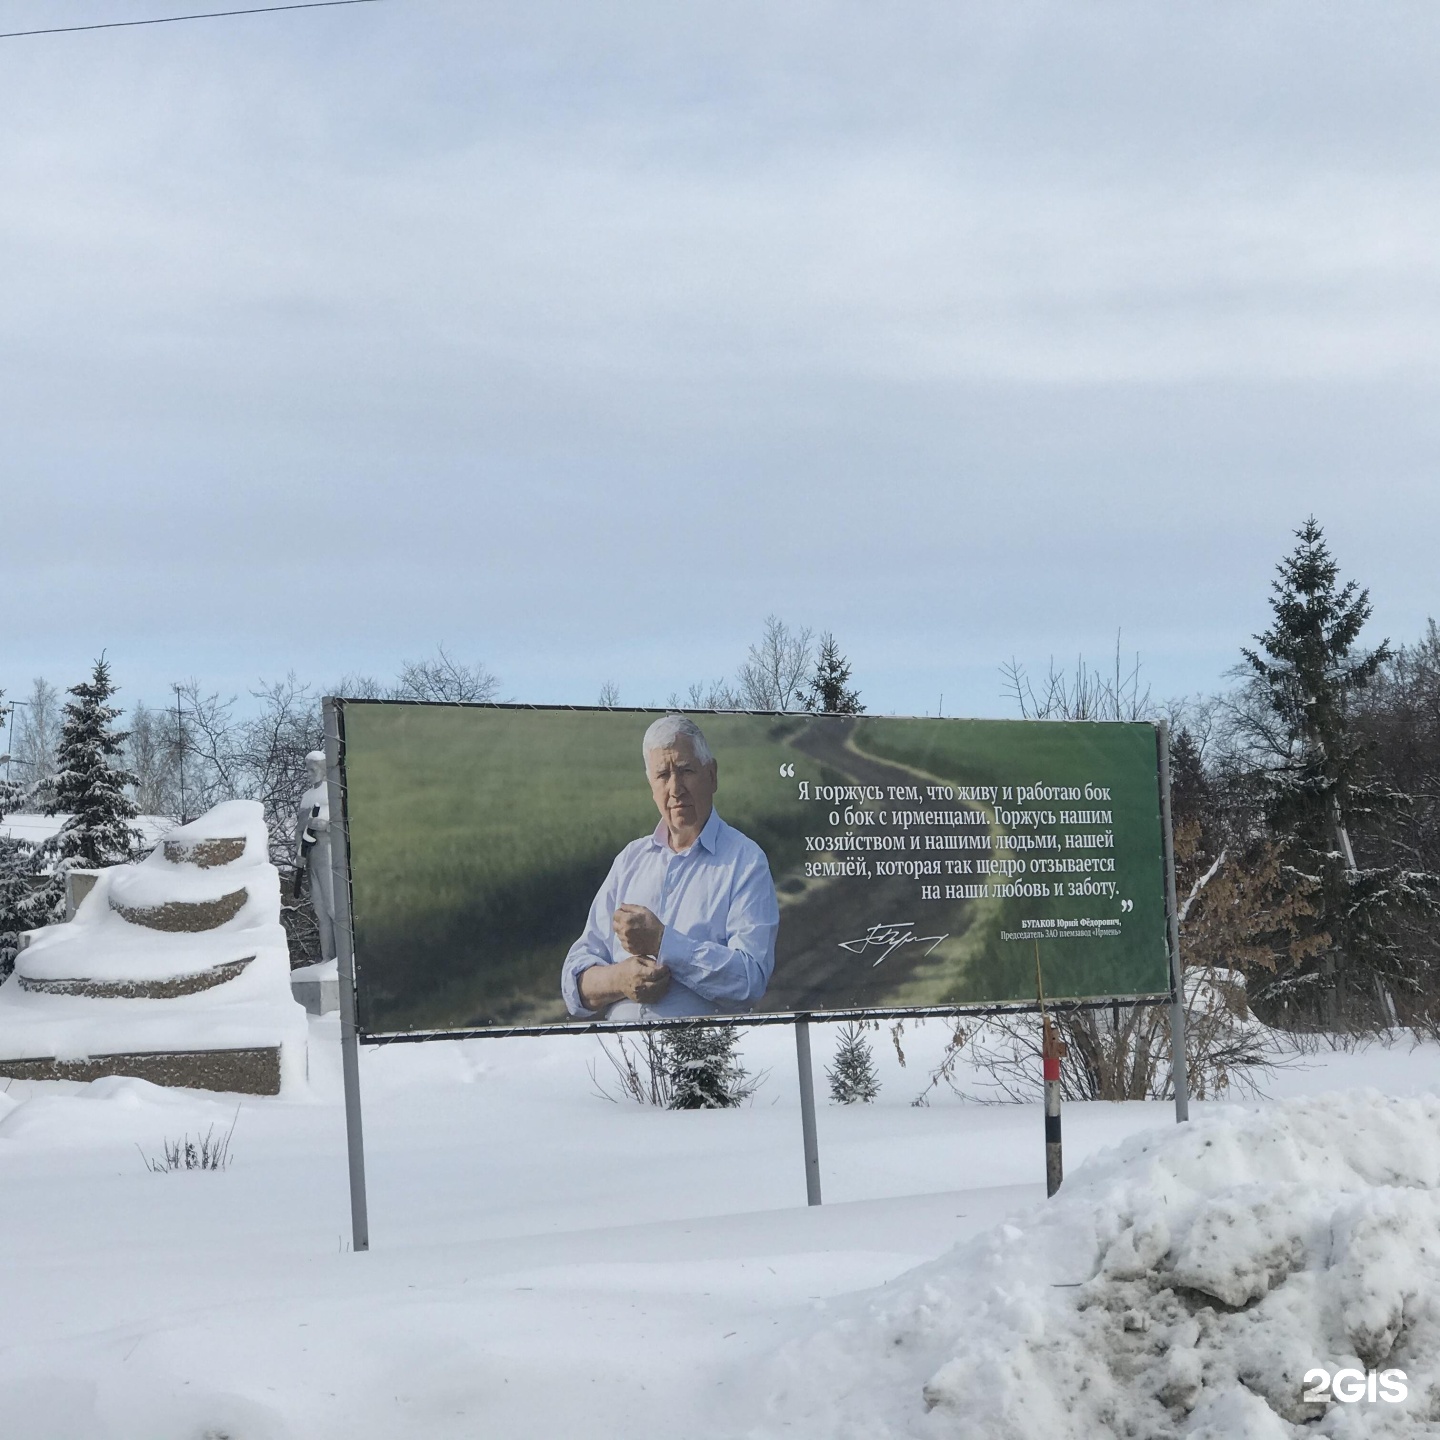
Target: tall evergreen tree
{"type": "Point", "coordinates": [829, 692]}
{"type": "Point", "coordinates": [89, 784]}
{"type": "Point", "coordinates": [1309, 674]}
{"type": "Point", "coordinates": [1306, 675]}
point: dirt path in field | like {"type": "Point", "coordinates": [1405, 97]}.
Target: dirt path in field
{"type": "Point", "coordinates": [812, 969]}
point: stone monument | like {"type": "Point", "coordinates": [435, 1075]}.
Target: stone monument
{"type": "Point", "coordinates": [312, 845]}
{"type": "Point", "coordinates": [317, 987]}
{"type": "Point", "coordinates": [175, 970]}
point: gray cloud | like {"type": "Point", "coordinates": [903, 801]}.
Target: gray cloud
{"type": "Point", "coordinates": [583, 337]}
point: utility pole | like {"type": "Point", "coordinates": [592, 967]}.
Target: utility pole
{"type": "Point", "coordinates": [180, 753]}
{"type": "Point", "coordinates": [10, 748]}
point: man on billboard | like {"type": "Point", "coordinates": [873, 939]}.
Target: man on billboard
{"type": "Point", "coordinates": [685, 922]}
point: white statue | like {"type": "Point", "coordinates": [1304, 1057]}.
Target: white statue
{"type": "Point", "coordinates": [312, 843]}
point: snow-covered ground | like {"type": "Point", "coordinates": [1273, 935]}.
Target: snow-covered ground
{"type": "Point", "coordinates": [547, 1263]}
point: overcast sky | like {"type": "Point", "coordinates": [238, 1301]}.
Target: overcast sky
{"type": "Point", "coordinates": [582, 336]}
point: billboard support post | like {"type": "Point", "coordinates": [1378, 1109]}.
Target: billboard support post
{"type": "Point", "coordinates": [345, 957]}
{"type": "Point", "coordinates": [1178, 1068]}
{"type": "Point", "coordinates": [807, 1109]}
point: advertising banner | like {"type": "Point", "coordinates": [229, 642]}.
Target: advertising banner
{"type": "Point", "coordinates": [515, 867]}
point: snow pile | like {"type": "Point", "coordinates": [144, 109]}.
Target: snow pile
{"type": "Point", "coordinates": [183, 952]}
{"type": "Point", "coordinates": [1181, 1284]}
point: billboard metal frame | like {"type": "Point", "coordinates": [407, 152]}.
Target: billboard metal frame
{"type": "Point", "coordinates": [776, 1017]}
{"type": "Point", "coordinates": [351, 1038]}
{"type": "Point", "coordinates": [334, 713]}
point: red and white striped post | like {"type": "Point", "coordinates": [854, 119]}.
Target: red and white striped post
{"type": "Point", "coordinates": [1052, 1051]}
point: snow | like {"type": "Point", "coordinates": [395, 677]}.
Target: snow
{"type": "Point", "coordinates": [320, 970]}
{"type": "Point", "coordinates": [255, 1009]}
{"type": "Point", "coordinates": [546, 1262]}
{"type": "Point", "coordinates": [1181, 1284]}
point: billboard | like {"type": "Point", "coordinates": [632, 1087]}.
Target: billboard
{"type": "Point", "coordinates": [515, 867]}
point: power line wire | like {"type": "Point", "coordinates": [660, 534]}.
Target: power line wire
{"type": "Point", "coordinates": [171, 19]}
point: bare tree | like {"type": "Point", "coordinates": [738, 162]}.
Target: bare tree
{"type": "Point", "coordinates": [37, 732]}
{"type": "Point", "coordinates": [257, 756]}
{"type": "Point", "coordinates": [1088, 693]}
{"type": "Point", "coordinates": [211, 762]}
{"type": "Point", "coordinates": [442, 678]}
{"type": "Point", "coordinates": [775, 675]}
{"type": "Point", "coordinates": [260, 756]}
{"type": "Point", "coordinates": [609, 695]}
{"type": "Point", "coordinates": [1233, 917]}
{"type": "Point", "coordinates": [641, 1070]}
{"type": "Point", "coordinates": [274, 743]}
{"type": "Point", "coordinates": [153, 755]}
{"type": "Point", "coordinates": [1121, 1053]}
{"type": "Point", "coordinates": [716, 695]}
{"type": "Point", "coordinates": [361, 687]}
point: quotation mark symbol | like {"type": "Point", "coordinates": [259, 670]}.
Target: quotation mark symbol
{"type": "Point", "coordinates": [787, 771]}
{"type": "Point", "coordinates": [1127, 904]}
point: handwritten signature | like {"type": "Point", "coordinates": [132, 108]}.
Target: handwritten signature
{"type": "Point", "coordinates": [889, 938]}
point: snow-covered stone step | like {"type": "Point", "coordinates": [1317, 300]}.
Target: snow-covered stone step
{"type": "Point", "coordinates": [170, 988]}
{"type": "Point", "coordinates": [207, 854]}
{"type": "Point", "coordinates": [186, 917]}
{"type": "Point", "coordinates": [254, 1070]}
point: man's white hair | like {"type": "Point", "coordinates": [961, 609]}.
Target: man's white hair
{"type": "Point", "coordinates": [665, 731]}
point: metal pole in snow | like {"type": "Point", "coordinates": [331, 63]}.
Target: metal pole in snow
{"type": "Point", "coordinates": [807, 1110]}
{"type": "Point", "coordinates": [1177, 975]}
{"type": "Point", "coordinates": [345, 956]}
{"type": "Point", "coordinates": [180, 751]}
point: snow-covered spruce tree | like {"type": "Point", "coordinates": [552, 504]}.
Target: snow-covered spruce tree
{"type": "Point", "coordinates": [17, 869]}
{"type": "Point", "coordinates": [1318, 795]}
{"type": "Point", "coordinates": [89, 788]}
{"type": "Point", "coordinates": [705, 1071]}
{"type": "Point", "coordinates": [853, 1077]}
{"type": "Point", "coordinates": [829, 691]}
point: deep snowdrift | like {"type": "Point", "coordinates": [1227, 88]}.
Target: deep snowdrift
{"type": "Point", "coordinates": [1180, 1285]}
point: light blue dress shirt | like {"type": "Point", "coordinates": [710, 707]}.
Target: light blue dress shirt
{"type": "Point", "coordinates": [717, 903]}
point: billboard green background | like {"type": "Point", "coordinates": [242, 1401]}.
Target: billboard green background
{"type": "Point", "coordinates": [479, 836]}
